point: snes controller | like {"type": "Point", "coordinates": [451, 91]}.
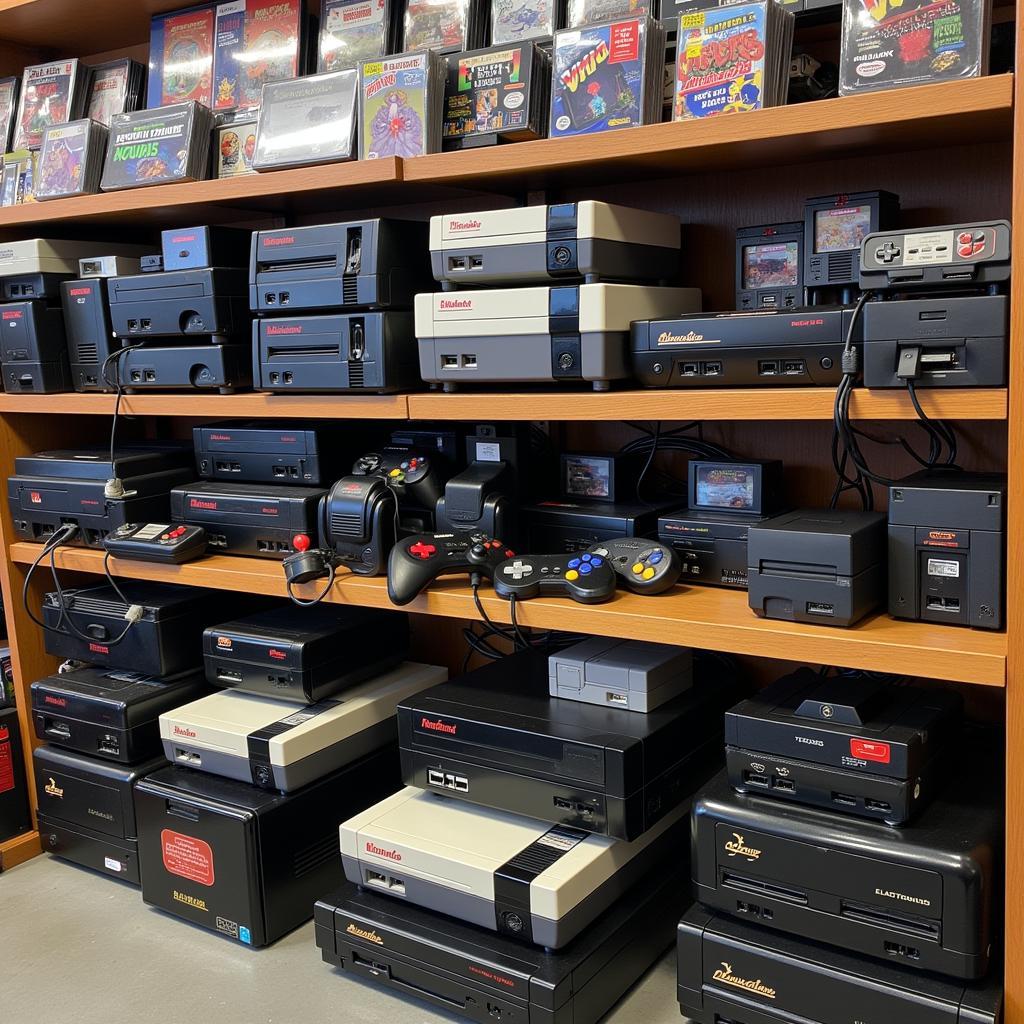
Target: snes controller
{"type": "Point", "coordinates": [416, 562]}
{"type": "Point", "coordinates": [586, 578]}
{"type": "Point", "coordinates": [643, 566]}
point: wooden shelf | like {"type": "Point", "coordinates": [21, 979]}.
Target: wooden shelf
{"type": "Point", "coordinates": [19, 849]}
{"type": "Point", "coordinates": [710, 404]}
{"type": "Point", "coordinates": [706, 617]}
{"type": "Point", "coordinates": [251, 406]}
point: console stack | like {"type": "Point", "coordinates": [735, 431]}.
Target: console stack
{"type": "Point", "coordinates": [845, 860]}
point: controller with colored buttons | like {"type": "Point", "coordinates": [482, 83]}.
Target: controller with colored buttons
{"type": "Point", "coordinates": [643, 566]}
{"type": "Point", "coordinates": [586, 578]}
{"type": "Point", "coordinates": [416, 562]}
{"type": "Point", "coordinates": [412, 475]}
{"type": "Point", "coordinates": [157, 542]}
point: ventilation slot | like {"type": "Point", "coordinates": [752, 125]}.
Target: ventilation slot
{"type": "Point", "coordinates": [356, 375]}
{"type": "Point", "coordinates": [840, 266]}
{"type": "Point", "coordinates": [350, 290]}
{"type": "Point", "coordinates": [314, 855]}
{"type": "Point", "coordinates": [86, 353]}
{"type": "Point", "coordinates": [346, 525]}
{"type": "Point", "coordinates": [92, 606]}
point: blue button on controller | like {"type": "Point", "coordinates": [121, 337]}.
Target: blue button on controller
{"type": "Point", "coordinates": [655, 558]}
{"type": "Point", "coordinates": [574, 563]}
{"type": "Point", "coordinates": [587, 558]}
{"type": "Point", "coordinates": [597, 561]}
{"type": "Point", "coordinates": [586, 569]}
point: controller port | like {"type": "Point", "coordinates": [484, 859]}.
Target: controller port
{"type": "Point", "coordinates": [690, 369]}
{"type": "Point", "coordinates": [469, 362]}
{"type": "Point", "coordinates": [711, 369]}
{"type": "Point", "coordinates": [376, 878]}
{"type": "Point", "coordinates": [288, 378]}
{"type": "Point", "coordinates": [820, 608]}
{"type": "Point", "coordinates": [147, 325]}
{"type": "Point", "coordinates": [456, 262]}
{"type": "Point", "coordinates": [476, 262]}
{"type": "Point", "coordinates": [898, 949]}
{"type": "Point", "coordinates": [150, 375]}
{"type": "Point", "coordinates": [275, 378]}
{"type": "Point", "coordinates": [461, 784]}
{"type": "Point", "coordinates": [794, 366]}
{"type": "Point", "coordinates": [133, 325]}
{"type": "Point", "coordinates": [435, 778]}
{"type": "Point", "coordinates": [136, 375]}
{"type": "Point", "coordinates": [616, 698]}
{"type": "Point", "coordinates": [755, 779]}
{"type": "Point", "coordinates": [784, 785]}
{"type": "Point", "coordinates": [844, 800]}
{"type": "Point", "coordinates": [108, 745]}
{"type": "Point", "coordinates": [286, 297]}
{"type": "Point", "coordinates": [188, 757]}
{"type": "Point", "coordinates": [278, 470]}
{"type": "Point", "coordinates": [767, 367]}
{"type": "Point", "coordinates": [449, 362]}
{"type": "Point", "coordinates": [562, 804]}
{"type": "Point", "coordinates": [270, 298]}
{"type": "Point", "coordinates": [877, 805]}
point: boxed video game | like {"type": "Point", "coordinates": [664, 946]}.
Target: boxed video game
{"type": "Point", "coordinates": [445, 25]}
{"type": "Point", "coordinates": [19, 177]}
{"type": "Point", "coordinates": [496, 94]}
{"type": "Point", "coordinates": [234, 144]}
{"type": "Point", "coordinates": [514, 21]}
{"type": "Point", "coordinates": [400, 105]}
{"type": "Point", "coordinates": [886, 44]}
{"type": "Point", "coordinates": [582, 13]}
{"type": "Point", "coordinates": [115, 88]}
{"type": "Point", "coordinates": [352, 31]}
{"type": "Point", "coordinates": [307, 121]}
{"type": "Point", "coordinates": [732, 58]}
{"type": "Point", "coordinates": [152, 147]}
{"type": "Point", "coordinates": [9, 88]}
{"type": "Point", "coordinates": [71, 159]}
{"type": "Point", "coordinates": [181, 46]}
{"type": "Point", "coordinates": [607, 77]}
{"type": "Point", "coordinates": [50, 94]}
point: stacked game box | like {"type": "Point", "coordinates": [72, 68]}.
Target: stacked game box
{"type": "Point", "coordinates": [353, 31]}
{"type": "Point", "coordinates": [400, 105]}
{"type": "Point", "coordinates": [71, 159]}
{"type": "Point", "coordinates": [448, 26]}
{"type": "Point", "coordinates": [114, 88]}
{"type": "Point", "coordinates": [516, 21]}
{"type": "Point", "coordinates": [50, 94]}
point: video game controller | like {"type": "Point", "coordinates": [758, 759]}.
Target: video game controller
{"type": "Point", "coordinates": [587, 578]}
{"type": "Point", "coordinates": [408, 473]}
{"type": "Point", "coordinates": [416, 562]}
{"type": "Point", "coordinates": [644, 566]}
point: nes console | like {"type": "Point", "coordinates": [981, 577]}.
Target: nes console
{"type": "Point", "coordinates": [275, 745]}
{"type": "Point", "coordinates": [485, 977]}
{"type": "Point", "coordinates": [33, 348]}
{"type": "Point", "coordinates": [628, 674]}
{"type": "Point", "coordinates": [370, 264]}
{"type": "Point", "coordinates": [851, 744]}
{"type": "Point", "coordinates": [496, 737]}
{"type": "Point", "coordinates": [212, 363]}
{"type": "Point", "coordinates": [528, 879]}
{"type": "Point", "coordinates": [920, 896]}
{"type": "Point", "coordinates": [557, 333]}
{"type": "Point", "coordinates": [90, 338]}
{"type": "Point", "coordinates": [733, 971]}
{"type": "Point", "coordinates": [33, 268]}
{"type": "Point", "coordinates": [590, 240]}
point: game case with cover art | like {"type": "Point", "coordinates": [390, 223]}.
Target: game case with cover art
{"type": "Point", "coordinates": [229, 41]}
{"type": "Point", "coordinates": [444, 25]}
{"type": "Point", "coordinates": [18, 178]}
{"type": "Point", "coordinates": [71, 159]}
{"type": "Point", "coordinates": [273, 46]}
{"type": "Point", "coordinates": [887, 44]}
{"type": "Point", "coordinates": [513, 21]}
{"type": "Point", "coordinates": [184, 70]}
{"type": "Point", "coordinates": [234, 145]}
{"type": "Point", "coordinates": [114, 88]}
{"type": "Point", "coordinates": [307, 121]}
{"type": "Point", "coordinates": [8, 105]}
{"type": "Point", "coordinates": [399, 105]}
{"type": "Point", "coordinates": [352, 31]}
{"type": "Point", "coordinates": [603, 77]}
{"type": "Point", "coordinates": [592, 12]}
{"type": "Point", "coordinates": [499, 92]}
{"type": "Point", "coordinates": [50, 94]}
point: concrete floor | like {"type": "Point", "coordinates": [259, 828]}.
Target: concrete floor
{"type": "Point", "coordinates": [82, 947]}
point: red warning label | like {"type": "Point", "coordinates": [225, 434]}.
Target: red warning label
{"type": "Point", "coordinates": [6, 761]}
{"type": "Point", "coordinates": [870, 750]}
{"type": "Point", "coordinates": [187, 857]}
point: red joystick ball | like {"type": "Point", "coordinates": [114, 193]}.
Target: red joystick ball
{"type": "Point", "coordinates": [301, 542]}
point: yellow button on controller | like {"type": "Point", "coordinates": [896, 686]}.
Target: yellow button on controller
{"type": "Point", "coordinates": [637, 569]}
{"type": "Point", "coordinates": [649, 573]}
{"type": "Point", "coordinates": [571, 575]}
{"type": "Point", "coordinates": [395, 472]}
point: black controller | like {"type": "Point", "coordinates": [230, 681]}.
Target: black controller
{"type": "Point", "coordinates": [416, 562]}
{"type": "Point", "coordinates": [410, 474]}
{"type": "Point", "coordinates": [170, 543]}
{"type": "Point", "coordinates": [589, 580]}
{"type": "Point", "coordinates": [643, 566]}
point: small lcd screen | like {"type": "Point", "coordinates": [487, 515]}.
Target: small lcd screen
{"type": "Point", "coordinates": [587, 476]}
{"type": "Point", "coordinates": [728, 487]}
{"type": "Point", "coordinates": [771, 265]}
{"type": "Point", "coordinates": [841, 230]}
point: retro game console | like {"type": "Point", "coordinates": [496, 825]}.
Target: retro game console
{"type": "Point", "coordinates": [215, 362]}
{"type": "Point", "coordinates": [485, 977]}
{"type": "Point", "coordinates": [733, 971]}
{"type": "Point", "coordinates": [241, 861]}
{"type": "Point", "coordinates": [557, 333]}
{"type": "Point", "coordinates": [81, 622]}
{"type": "Point", "coordinates": [920, 896]}
{"type": "Point", "coordinates": [15, 816]}
{"type": "Point", "coordinates": [769, 266]}
{"type": "Point", "coordinates": [817, 565]}
{"type": "Point", "coordinates": [495, 737]}
{"type": "Point", "coordinates": [850, 744]}
{"type": "Point", "coordinates": [629, 674]}
{"type": "Point", "coordinates": [109, 266]}
{"type": "Point", "coordinates": [563, 527]}
{"type": "Point", "coordinates": [86, 810]}
{"type": "Point", "coordinates": [273, 744]}
{"type": "Point", "coordinates": [34, 267]}
{"type": "Point", "coordinates": [524, 878]}
{"type": "Point", "coordinates": [599, 476]}
{"type": "Point", "coordinates": [304, 654]}
{"type": "Point", "coordinates": [947, 548]}
{"type": "Point", "coordinates": [370, 264]}
{"type": "Point", "coordinates": [90, 338]}
{"type": "Point", "coordinates": [358, 524]}
{"type": "Point", "coordinates": [109, 713]}
{"type": "Point", "coordinates": [336, 353]}
{"type": "Point", "coordinates": [33, 347]}
{"type": "Point", "coordinates": [590, 240]}
{"type": "Point", "coordinates": [201, 247]}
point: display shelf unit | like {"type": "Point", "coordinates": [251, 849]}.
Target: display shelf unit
{"type": "Point", "coordinates": [18, 850]}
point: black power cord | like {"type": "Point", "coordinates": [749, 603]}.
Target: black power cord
{"type": "Point", "coordinates": [114, 487]}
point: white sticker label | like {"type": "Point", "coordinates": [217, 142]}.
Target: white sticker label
{"type": "Point", "coordinates": [928, 247]}
{"type": "Point", "coordinates": [941, 567]}
{"type": "Point", "coordinates": [112, 865]}
{"type": "Point", "coordinates": [152, 531]}
{"type": "Point", "coordinates": [488, 451]}
{"type": "Point", "coordinates": [558, 842]}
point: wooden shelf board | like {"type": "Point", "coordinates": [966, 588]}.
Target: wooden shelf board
{"type": "Point", "coordinates": [974, 110]}
{"type": "Point", "coordinates": [253, 406]}
{"type": "Point", "coordinates": [710, 404]}
{"type": "Point", "coordinates": [706, 617]}
{"type": "Point", "coordinates": [19, 849]}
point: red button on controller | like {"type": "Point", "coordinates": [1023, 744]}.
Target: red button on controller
{"type": "Point", "coordinates": [421, 550]}
{"type": "Point", "coordinates": [301, 542]}
{"type": "Point", "coordinates": [869, 750]}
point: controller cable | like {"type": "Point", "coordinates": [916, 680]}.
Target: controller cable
{"type": "Point", "coordinates": [114, 487]}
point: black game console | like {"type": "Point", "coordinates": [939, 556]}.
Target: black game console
{"type": "Point", "coordinates": [201, 247]}
{"type": "Point", "coordinates": [90, 337]}
{"type": "Point", "coordinates": [371, 264]}
{"type": "Point", "coordinates": [712, 547]}
{"type": "Point", "coordinates": [850, 744]}
{"type": "Point", "coordinates": [14, 287]}
{"type": "Point", "coordinates": [15, 817]}
{"type": "Point", "coordinates": [947, 549]}
{"type": "Point", "coordinates": [109, 713]}
{"type": "Point", "coordinates": [596, 476]}
{"type": "Point", "coordinates": [336, 353]}
{"type": "Point", "coordinates": [764, 347]}
{"type": "Point", "coordinates": [259, 520]}
{"type": "Point", "coordinates": [87, 812]}
{"type": "Point", "coordinates": [33, 348]}
{"type": "Point", "coordinates": [817, 565]}
{"type": "Point", "coordinates": [496, 737]}
{"type": "Point", "coordinates": [179, 303]}
{"type": "Point", "coordinates": [247, 862]}
{"type": "Point", "coordinates": [215, 363]}
{"type": "Point", "coordinates": [37, 378]}
{"type": "Point", "coordinates": [920, 896]}
{"type": "Point", "coordinates": [770, 266]}
{"type": "Point", "coordinates": [486, 977]}
{"type": "Point", "coordinates": [52, 489]}
{"type": "Point", "coordinates": [304, 654]}
{"type": "Point", "coordinates": [561, 527]}
{"type": "Point", "coordinates": [164, 641]}
{"type": "Point", "coordinates": [731, 972]}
